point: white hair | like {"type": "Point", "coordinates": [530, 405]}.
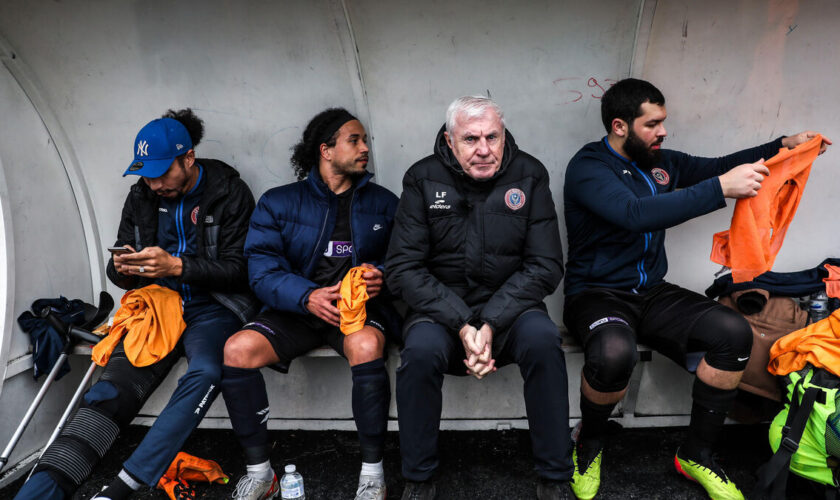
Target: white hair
{"type": "Point", "coordinates": [471, 106]}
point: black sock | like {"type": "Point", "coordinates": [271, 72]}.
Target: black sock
{"type": "Point", "coordinates": [708, 411]}
{"type": "Point", "coordinates": [117, 490]}
{"type": "Point", "coordinates": [247, 406]}
{"type": "Point", "coordinates": [371, 397]}
{"type": "Point", "coordinates": [594, 418]}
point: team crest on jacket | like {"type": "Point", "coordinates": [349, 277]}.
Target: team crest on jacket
{"type": "Point", "coordinates": [194, 215]}
{"type": "Point", "coordinates": [660, 176]}
{"type": "Point", "coordinates": [514, 199]}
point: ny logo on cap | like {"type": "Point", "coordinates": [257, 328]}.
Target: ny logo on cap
{"type": "Point", "coordinates": [143, 148]}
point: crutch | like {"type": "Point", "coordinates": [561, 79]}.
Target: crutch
{"type": "Point", "coordinates": [72, 336]}
{"type": "Point", "coordinates": [67, 411]}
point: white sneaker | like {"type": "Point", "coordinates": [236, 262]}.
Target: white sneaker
{"type": "Point", "coordinates": [371, 488]}
{"type": "Point", "coordinates": [251, 488]}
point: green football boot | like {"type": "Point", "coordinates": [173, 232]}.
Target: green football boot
{"type": "Point", "coordinates": [710, 476]}
{"type": "Point", "coordinates": [586, 477]}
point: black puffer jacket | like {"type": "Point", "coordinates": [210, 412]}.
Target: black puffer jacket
{"type": "Point", "coordinates": [480, 252]}
{"type": "Point", "coordinates": [223, 215]}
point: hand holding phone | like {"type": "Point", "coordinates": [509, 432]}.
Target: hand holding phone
{"type": "Point", "coordinates": [118, 255]}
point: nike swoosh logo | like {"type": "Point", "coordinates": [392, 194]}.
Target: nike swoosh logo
{"type": "Point", "coordinates": [743, 359]}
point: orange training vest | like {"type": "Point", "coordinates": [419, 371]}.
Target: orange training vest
{"type": "Point", "coordinates": [351, 305]}
{"type": "Point", "coordinates": [832, 282]}
{"type": "Point", "coordinates": [759, 224]}
{"type": "Point", "coordinates": [185, 468]}
{"type": "Point", "coordinates": [817, 344]}
{"type": "Point", "coordinates": [151, 319]}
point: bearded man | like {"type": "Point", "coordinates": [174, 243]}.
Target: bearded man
{"type": "Point", "coordinates": [621, 194]}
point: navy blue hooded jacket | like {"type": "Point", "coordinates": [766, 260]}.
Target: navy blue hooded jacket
{"type": "Point", "coordinates": [290, 230]}
{"type": "Point", "coordinates": [616, 213]}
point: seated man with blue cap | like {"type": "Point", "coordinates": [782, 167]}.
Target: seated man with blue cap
{"type": "Point", "coordinates": [184, 224]}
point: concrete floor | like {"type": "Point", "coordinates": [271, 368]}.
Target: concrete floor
{"type": "Point", "coordinates": [481, 464]}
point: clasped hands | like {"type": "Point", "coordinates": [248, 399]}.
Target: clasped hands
{"type": "Point", "coordinates": [478, 346]}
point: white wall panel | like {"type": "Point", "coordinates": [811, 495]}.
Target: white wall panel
{"type": "Point", "coordinates": [735, 75]}
{"type": "Point", "coordinates": [46, 231]}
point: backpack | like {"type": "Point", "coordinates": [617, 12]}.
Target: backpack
{"type": "Point", "coordinates": [770, 318]}
{"type": "Point", "coordinates": [805, 435]}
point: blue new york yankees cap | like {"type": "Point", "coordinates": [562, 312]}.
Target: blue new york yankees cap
{"type": "Point", "coordinates": [156, 146]}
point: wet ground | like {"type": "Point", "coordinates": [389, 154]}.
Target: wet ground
{"type": "Point", "coordinates": [474, 465]}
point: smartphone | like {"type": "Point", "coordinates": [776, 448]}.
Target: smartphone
{"type": "Point", "coordinates": [119, 250]}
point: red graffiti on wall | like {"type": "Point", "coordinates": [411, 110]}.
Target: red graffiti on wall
{"type": "Point", "coordinates": [574, 91]}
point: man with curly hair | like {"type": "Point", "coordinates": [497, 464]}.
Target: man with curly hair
{"type": "Point", "coordinates": [303, 239]}
{"type": "Point", "coordinates": [183, 226]}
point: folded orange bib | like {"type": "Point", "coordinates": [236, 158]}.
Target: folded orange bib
{"type": "Point", "coordinates": [351, 306]}
{"type": "Point", "coordinates": [817, 344]}
{"type": "Point", "coordinates": [151, 319]}
{"type": "Point", "coordinates": [759, 224]}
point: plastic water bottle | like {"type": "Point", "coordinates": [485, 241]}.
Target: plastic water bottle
{"type": "Point", "coordinates": [291, 484]}
{"type": "Point", "coordinates": [818, 308]}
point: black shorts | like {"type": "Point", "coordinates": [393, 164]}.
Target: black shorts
{"type": "Point", "coordinates": [292, 335]}
{"type": "Point", "coordinates": [661, 317]}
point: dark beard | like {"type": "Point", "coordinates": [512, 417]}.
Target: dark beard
{"type": "Point", "coordinates": [349, 169]}
{"type": "Point", "coordinates": [636, 149]}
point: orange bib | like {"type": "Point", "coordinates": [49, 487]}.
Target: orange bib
{"type": "Point", "coordinates": [151, 319]}
{"type": "Point", "coordinates": [759, 224]}
{"type": "Point", "coordinates": [351, 306]}
{"type": "Point", "coordinates": [185, 468]}
{"type": "Point", "coordinates": [832, 282]}
{"type": "Point", "coordinates": [817, 344]}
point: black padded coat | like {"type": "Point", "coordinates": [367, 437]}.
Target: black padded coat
{"type": "Point", "coordinates": [468, 251]}
{"type": "Point", "coordinates": [220, 266]}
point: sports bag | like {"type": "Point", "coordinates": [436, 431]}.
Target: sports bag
{"type": "Point", "coordinates": [805, 435]}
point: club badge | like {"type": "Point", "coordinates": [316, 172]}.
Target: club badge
{"type": "Point", "coordinates": [514, 199]}
{"type": "Point", "coordinates": [660, 176]}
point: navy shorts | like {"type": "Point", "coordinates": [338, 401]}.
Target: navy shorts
{"type": "Point", "coordinates": [672, 320]}
{"type": "Point", "coordinates": [292, 335]}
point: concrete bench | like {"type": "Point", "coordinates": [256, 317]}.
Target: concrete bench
{"type": "Point", "coordinates": [315, 395]}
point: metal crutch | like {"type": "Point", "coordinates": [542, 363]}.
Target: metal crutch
{"type": "Point", "coordinates": [66, 415]}
{"type": "Point", "coordinates": [72, 335]}
{"type": "Point", "coordinates": [4, 458]}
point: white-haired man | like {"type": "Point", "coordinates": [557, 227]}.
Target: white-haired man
{"type": "Point", "coordinates": [474, 251]}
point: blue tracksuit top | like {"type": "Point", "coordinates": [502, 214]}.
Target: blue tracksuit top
{"type": "Point", "coordinates": [176, 232]}
{"type": "Point", "coordinates": [290, 230]}
{"type": "Point", "coordinates": [616, 213]}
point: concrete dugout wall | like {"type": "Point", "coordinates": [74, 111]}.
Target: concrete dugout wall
{"type": "Point", "coordinates": [80, 77]}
